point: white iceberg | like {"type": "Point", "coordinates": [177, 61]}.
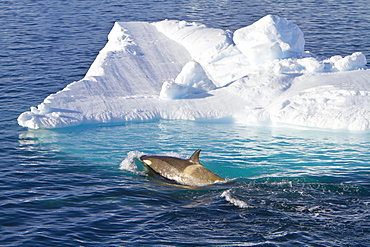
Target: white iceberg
{"type": "Point", "coordinates": [179, 70]}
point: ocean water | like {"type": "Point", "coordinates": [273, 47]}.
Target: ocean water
{"type": "Point", "coordinates": [69, 187]}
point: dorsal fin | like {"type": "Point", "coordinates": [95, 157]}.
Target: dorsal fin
{"type": "Point", "coordinates": [195, 157]}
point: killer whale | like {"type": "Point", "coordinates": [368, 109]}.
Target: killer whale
{"type": "Point", "coordinates": [183, 171]}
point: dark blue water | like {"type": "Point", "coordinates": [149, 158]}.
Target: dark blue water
{"type": "Point", "coordinates": [65, 187]}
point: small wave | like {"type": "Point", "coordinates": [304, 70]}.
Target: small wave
{"type": "Point", "coordinates": [239, 203]}
{"type": "Point", "coordinates": [129, 164]}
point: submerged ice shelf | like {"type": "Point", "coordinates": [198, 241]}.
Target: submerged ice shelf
{"type": "Point", "coordinates": [179, 70]}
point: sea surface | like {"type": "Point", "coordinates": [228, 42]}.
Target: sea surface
{"type": "Point", "coordinates": [80, 186]}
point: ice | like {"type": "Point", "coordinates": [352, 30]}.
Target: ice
{"type": "Point", "coordinates": [212, 48]}
{"type": "Point", "coordinates": [270, 38]}
{"type": "Point", "coordinates": [260, 74]}
{"type": "Point", "coordinates": [352, 62]}
{"type": "Point", "coordinates": [191, 80]}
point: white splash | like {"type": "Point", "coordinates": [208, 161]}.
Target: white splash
{"type": "Point", "coordinates": [128, 163]}
{"type": "Point", "coordinates": [239, 203]}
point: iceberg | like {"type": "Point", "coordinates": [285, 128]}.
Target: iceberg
{"type": "Point", "coordinates": [170, 69]}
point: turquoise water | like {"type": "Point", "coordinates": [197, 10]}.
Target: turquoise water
{"type": "Point", "coordinates": [65, 187]}
{"type": "Point", "coordinates": [233, 151]}
{"type": "Point", "coordinates": [285, 187]}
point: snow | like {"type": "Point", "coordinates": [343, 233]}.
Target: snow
{"type": "Point", "coordinates": [191, 80]}
{"type": "Point", "coordinates": [260, 74]}
{"type": "Point", "coordinates": [270, 38]}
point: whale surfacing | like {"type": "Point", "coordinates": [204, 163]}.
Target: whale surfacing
{"type": "Point", "coordinates": [183, 171]}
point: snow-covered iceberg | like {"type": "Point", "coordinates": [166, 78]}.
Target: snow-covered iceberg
{"type": "Point", "coordinates": [179, 70]}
